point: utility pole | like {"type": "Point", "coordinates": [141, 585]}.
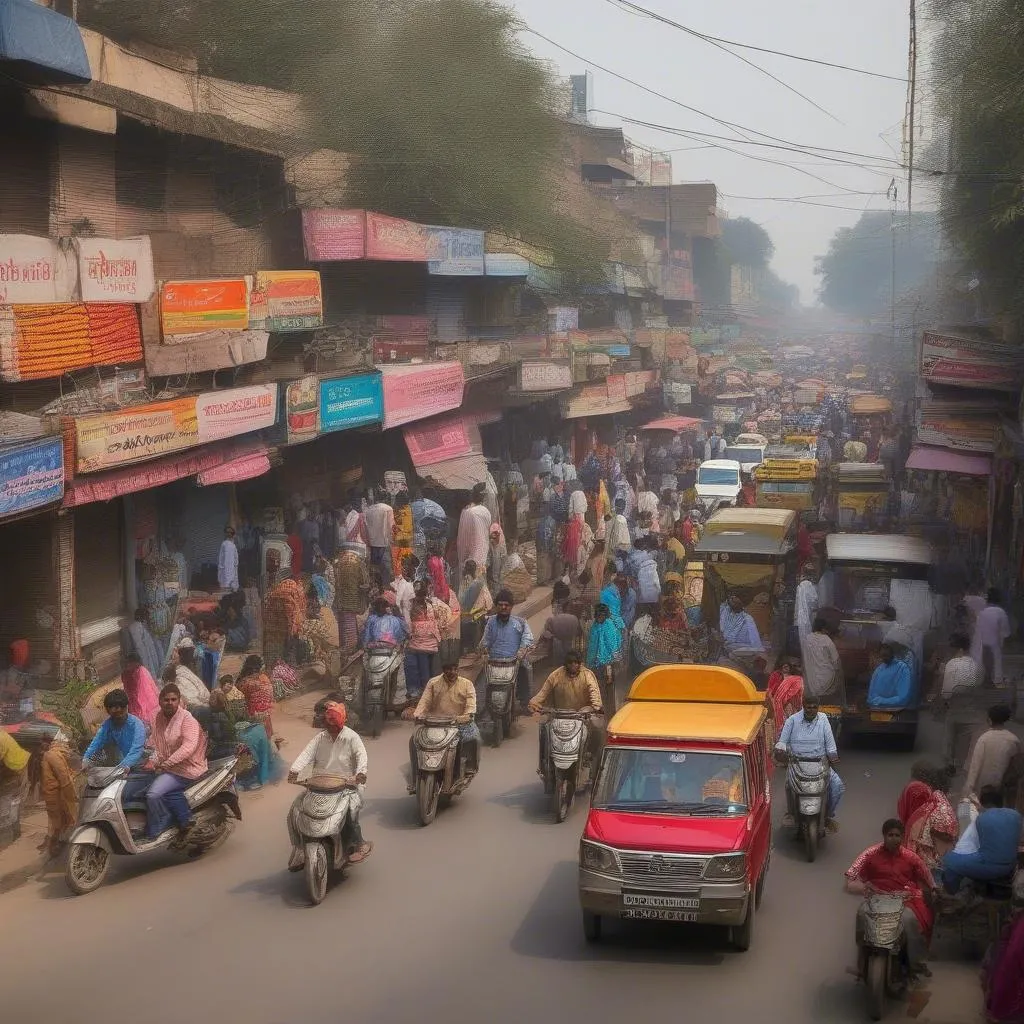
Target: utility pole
{"type": "Point", "coordinates": [892, 194]}
{"type": "Point", "coordinates": [911, 102]}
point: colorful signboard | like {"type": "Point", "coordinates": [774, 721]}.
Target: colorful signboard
{"type": "Point", "coordinates": [192, 307]}
{"type": "Point", "coordinates": [33, 270]}
{"type": "Point", "coordinates": [221, 414]}
{"type": "Point", "coordinates": [302, 409]}
{"type": "Point", "coordinates": [969, 362]}
{"type": "Point", "coordinates": [348, 402]}
{"type": "Point", "coordinates": [544, 376]}
{"type": "Point", "coordinates": [455, 252]}
{"type": "Point", "coordinates": [416, 392]}
{"type": "Point", "coordinates": [116, 269]}
{"type": "Point", "coordinates": [437, 441]}
{"type": "Point", "coordinates": [334, 234]}
{"type": "Point", "coordinates": [391, 238]}
{"type": "Point", "coordinates": [31, 476]}
{"type": "Point", "coordinates": [286, 300]}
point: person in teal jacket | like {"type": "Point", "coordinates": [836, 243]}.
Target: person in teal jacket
{"type": "Point", "coordinates": [891, 683]}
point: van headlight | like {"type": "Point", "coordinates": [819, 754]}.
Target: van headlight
{"type": "Point", "coordinates": [598, 858]}
{"type": "Point", "coordinates": [726, 869]}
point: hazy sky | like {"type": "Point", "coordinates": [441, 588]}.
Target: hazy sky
{"type": "Point", "coordinates": [867, 112]}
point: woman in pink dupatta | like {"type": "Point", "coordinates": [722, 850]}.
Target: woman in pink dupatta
{"type": "Point", "coordinates": [143, 696]}
{"type": "Point", "coordinates": [929, 819]}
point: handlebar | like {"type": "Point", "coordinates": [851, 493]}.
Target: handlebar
{"type": "Point", "coordinates": [559, 713]}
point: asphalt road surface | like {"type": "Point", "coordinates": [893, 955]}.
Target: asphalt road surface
{"type": "Point", "coordinates": [472, 919]}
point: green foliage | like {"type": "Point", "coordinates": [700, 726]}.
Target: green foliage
{"type": "Point", "coordinates": [746, 243]}
{"type": "Point", "coordinates": [67, 703]}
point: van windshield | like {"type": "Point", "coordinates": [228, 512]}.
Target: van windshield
{"type": "Point", "coordinates": [715, 477]}
{"type": "Point", "coordinates": [670, 781]}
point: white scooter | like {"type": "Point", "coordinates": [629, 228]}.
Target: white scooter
{"type": "Point", "coordinates": [500, 682]}
{"type": "Point", "coordinates": [383, 685]}
{"type": "Point", "coordinates": [807, 782]}
{"type": "Point", "coordinates": [108, 826]}
{"type": "Point", "coordinates": [567, 763]}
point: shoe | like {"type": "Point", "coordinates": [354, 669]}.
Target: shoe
{"type": "Point", "coordinates": [361, 854]}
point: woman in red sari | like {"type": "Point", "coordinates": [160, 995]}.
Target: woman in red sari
{"type": "Point", "coordinates": [929, 819]}
{"type": "Point", "coordinates": [785, 694]}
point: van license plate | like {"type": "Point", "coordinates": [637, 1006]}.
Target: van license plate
{"type": "Point", "coordinates": [881, 716]}
{"type": "Point", "coordinates": [636, 899]}
{"type": "Point", "coordinates": [644, 914]}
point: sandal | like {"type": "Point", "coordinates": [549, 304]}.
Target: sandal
{"type": "Point", "coordinates": [361, 854]}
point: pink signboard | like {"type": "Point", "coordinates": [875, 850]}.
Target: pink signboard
{"type": "Point", "coordinates": [334, 234]}
{"type": "Point", "coordinates": [236, 411]}
{"type": "Point", "coordinates": [416, 392]}
{"type": "Point", "coordinates": [437, 441]}
{"type": "Point", "coordinates": [390, 238]}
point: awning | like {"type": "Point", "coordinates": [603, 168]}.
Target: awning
{"type": "Point", "coordinates": [461, 474]}
{"type": "Point", "coordinates": [939, 460]}
{"type": "Point", "coordinates": [41, 45]}
{"type": "Point", "coordinates": [673, 423]}
{"type": "Point", "coordinates": [247, 467]}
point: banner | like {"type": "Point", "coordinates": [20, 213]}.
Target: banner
{"type": "Point", "coordinates": [110, 439]}
{"type": "Point", "coordinates": [455, 252]}
{"type": "Point", "coordinates": [34, 270]}
{"type": "Point", "coordinates": [970, 363]}
{"type": "Point", "coordinates": [221, 414]}
{"type": "Point", "coordinates": [302, 409]}
{"type": "Point", "coordinates": [31, 476]}
{"type": "Point", "coordinates": [116, 269]}
{"type": "Point", "coordinates": [286, 300]}
{"type": "Point", "coordinates": [192, 307]}
{"type": "Point", "coordinates": [505, 264]}
{"type": "Point", "coordinates": [391, 238]}
{"type": "Point", "coordinates": [616, 385]}
{"type": "Point", "coordinates": [437, 441]}
{"type": "Point", "coordinates": [416, 392]}
{"type": "Point", "coordinates": [334, 234]}
{"type": "Point", "coordinates": [350, 402]}
{"type": "Point", "coordinates": [547, 376]}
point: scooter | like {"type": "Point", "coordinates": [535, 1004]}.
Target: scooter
{"type": "Point", "coordinates": [108, 826]}
{"type": "Point", "coordinates": [320, 821]}
{"type": "Point", "coordinates": [807, 784]}
{"type": "Point", "coordinates": [567, 764]}
{"type": "Point", "coordinates": [438, 771]}
{"type": "Point", "coordinates": [500, 697]}
{"type": "Point", "coordinates": [380, 691]}
{"type": "Point", "coordinates": [881, 950]}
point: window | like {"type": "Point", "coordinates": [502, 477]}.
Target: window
{"type": "Point", "coordinates": [714, 477]}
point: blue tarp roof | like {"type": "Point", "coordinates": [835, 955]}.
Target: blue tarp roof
{"type": "Point", "coordinates": [42, 45]}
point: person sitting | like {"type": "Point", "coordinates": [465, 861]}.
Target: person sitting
{"type": "Point", "coordinates": [808, 733]}
{"type": "Point", "coordinates": [999, 833]}
{"type": "Point", "coordinates": [571, 688]}
{"type": "Point", "coordinates": [140, 686]}
{"type": "Point", "coordinates": [892, 867]}
{"type": "Point", "coordinates": [508, 637]}
{"type": "Point", "coordinates": [739, 631]}
{"type": "Point", "coordinates": [186, 677]}
{"type": "Point", "coordinates": [929, 819]}
{"type": "Point", "coordinates": [891, 683]}
{"type": "Point", "coordinates": [336, 750]}
{"type": "Point", "coordinates": [450, 695]}
{"type": "Point", "coordinates": [237, 627]}
{"type": "Point", "coordinates": [122, 735]}
{"type": "Point", "coordinates": [383, 627]}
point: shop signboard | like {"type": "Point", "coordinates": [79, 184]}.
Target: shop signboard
{"type": "Point", "coordinates": [116, 269]}
{"type": "Point", "coordinates": [302, 409]}
{"type": "Point", "coordinates": [391, 238]}
{"type": "Point", "coordinates": [286, 300]}
{"type": "Point", "coordinates": [31, 476]}
{"type": "Point", "coordinates": [236, 411]}
{"type": "Point", "coordinates": [334, 234]}
{"type": "Point", "coordinates": [505, 264]}
{"type": "Point", "coordinates": [616, 384]}
{"type": "Point", "coordinates": [192, 307]}
{"type": "Point", "coordinates": [416, 392]}
{"type": "Point", "coordinates": [33, 270]}
{"type": "Point", "coordinates": [348, 402]}
{"type": "Point", "coordinates": [437, 440]}
{"type": "Point", "coordinates": [535, 375]}
{"type": "Point", "coordinates": [594, 400]}
{"type": "Point", "coordinates": [969, 363]}
{"type": "Point", "coordinates": [455, 252]}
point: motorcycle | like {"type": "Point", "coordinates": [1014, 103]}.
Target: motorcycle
{"type": "Point", "coordinates": [108, 826]}
{"type": "Point", "coordinates": [381, 665]}
{"type": "Point", "coordinates": [567, 763]}
{"type": "Point", "coordinates": [500, 697]}
{"type": "Point", "coordinates": [881, 950]}
{"type": "Point", "coordinates": [439, 771]}
{"type": "Point", "coordinates": [807, 784]}
{"type": "Point", "coordinates": [320, 820]}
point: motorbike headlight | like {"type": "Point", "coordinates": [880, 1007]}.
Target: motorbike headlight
{"type": "Point", "coordinates": [730, 868]}
{"type": "Point", "coordinates": [598, 858]}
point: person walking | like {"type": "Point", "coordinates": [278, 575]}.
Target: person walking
{"type": "Point", "coordinates": [227, 561]}
{"type": "Point", "coordinates": [991, 630]}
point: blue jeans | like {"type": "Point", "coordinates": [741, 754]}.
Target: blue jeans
{"type": "Point", "coordinates": [417, 672]}
{"type": "Point", "coordinates": [835, 794]}
{"type": "Point", "coordinates": [381, 558]}
{"type": "Point", "coordinates": [958, 866]}
{"type": "Point", "coordinates": [165, 801]}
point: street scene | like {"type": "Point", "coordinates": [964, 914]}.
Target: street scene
{"type": "Point", "coordinates": [479, 527]}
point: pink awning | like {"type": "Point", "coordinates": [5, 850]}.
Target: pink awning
{"type": "Point", "coordinates": [940, 460]}
{"type": "Point", "coordinates": [245, 468]}
{"type": "Point", "coordinates": [673, 423]}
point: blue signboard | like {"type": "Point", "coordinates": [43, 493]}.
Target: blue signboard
{"type": "Point", "coordinates": [455, 252]}
{"type": "Point", "coordinates": [31, 475]}
{"type": "Point", "coordinates": [348, 402]}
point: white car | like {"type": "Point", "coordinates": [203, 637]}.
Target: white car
{"type": "Point", "coordinates": [718, 481]}
{"type": "Point", "coordinates": [748, 455]}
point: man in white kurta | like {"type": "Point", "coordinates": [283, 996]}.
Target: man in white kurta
{"type": "Point", "coordinates": [991, 631]}
{"type": "Point", "coordinates": [806, 605]}
{"type": "Point", "coordinates": [474, 530]}
{"type": "Point", "coordinates": [227, 561]}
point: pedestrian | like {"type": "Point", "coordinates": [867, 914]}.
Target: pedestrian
{"type": "Point", "coordinates": [991, 631]}
{"type": "Point", "coordinates": [258, 690]}
{"type": "Point", "coordinates": [380, 525]}
{"type": "Point", "coordinates": [227, 561]}
{"type": "Point", "coordinates": [993, 753]}
{"type": "Point", "coordinates": [13, 781]}
{"type": "Point", "coordinates": [353, 590]}
{"type": "Point", "coordinates": [806, 602]}
{"type": "Point", "coordinates": [59, 792]}
{"type": "Point", "coordinates": [823, 670]}
{"type": "Point", "coordinates": [474, 527]}
{"type": "Point", "coordinates": [959, 684]}
{"type": "Point", "coordinates": [403, 533]}
{"type": "Point", "coordinates": [139, 684]}
{"type": "Point", "coordinates": [427, 621]}
{"type": "Point", "coordinates": [546, 530]}
{"type": "Point", "coordinates": [497, 557]}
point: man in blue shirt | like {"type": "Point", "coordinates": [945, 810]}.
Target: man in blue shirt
{"type": "Point", "coordinates": [999, 834]}
{"type": "Point", "coordinates": [891, 683]}
{"type": "Point", "coordinates": [808, 733]}
{"type": "Point", "coordinates": [506, 637]}
{"type": "Point", "coordinates": [122, 731]}
{"type": "Point", "coordinates": [382, 627]}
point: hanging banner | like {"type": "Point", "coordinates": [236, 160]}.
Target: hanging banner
{"type": "Point", "coordinates": [505, 264]}
{"type": "Point", "coordinates": [31, 476]}
{"type": "Point", "coordinates": [455, 252]}
{"type": "Point", "coordinates": [334, 235]}
{"type": "Point", "coordinates": [437, 441]}
{"type": "Point", "coordinates": [286, 300]}
{"type": "Point", "coordinates": [391, 238]}
{"type": "Point", "coordinates": [416, 392]}
{"type": "Point", "coordinates": [34, 270]}
{"type": "Point", "coordinates": [544, 376]}
{"type": "Point", "coordinates": [302, 409]}
{"type": "Point", "coordinates": [192, 307]}
{"type": "Point", "coordinates": [349, 402]}
{"type": "Point", "coordinates": [116, 269]}
{"type": "Point", "coordinates": [970, 362]}
{"type": "Point", "coordinates": [221, 414]}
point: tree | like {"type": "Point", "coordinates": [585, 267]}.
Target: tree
{"type": "Point", "coordinates": [746, 243]}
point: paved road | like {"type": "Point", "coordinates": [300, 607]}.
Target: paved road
{"type": "Point", "coordinates": [474, 918]}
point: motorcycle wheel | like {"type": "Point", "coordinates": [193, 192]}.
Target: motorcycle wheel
{"type": "Point", "coordinates": [428, 792]}
{"type": "Point", "coordinates": [376, 720]}
{"type": "Point", "coordinates": [811, 841]}
{"type": "Point", "coordinates": [497, 730]}
{"type": "Point", "coordinates": [874, 984]}
{"type": "Point", "coordinates": [565, 790]}
{"type": "Point", "coordinates": [316, 872]}
{"type": "Point", "coordinates": [87, 868]}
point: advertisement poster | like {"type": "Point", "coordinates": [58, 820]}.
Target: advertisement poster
{"type": "Point", "coordinates": [34, 270]}
{"type": "Point", "coordinates": [116, 269]}
{"type": "Point", "coordinates": [416, 392]}
{"type": "Point", "coordinates": [302, 409]}
{"type": "Point", "coordinates": [286, 300]}
{"type": "Point", "coordinates": [221, 414]}
{"type": "Point", "coordinates": [110, 439]}
{"type": "Point", "coordinates": [31, 475]}
{"type": "Point", "coordinates": [544, 376]}
{"type": "Point", "coordinates": [437, 441]}
{"type": "Point", "coordinates": [349, 402]}
{"type": "Point", "coordinates": [969, 363]}
{"type": "Point", "coordinates": [455, 252]}
{"type": "Point", "coordinates": [191, 307]}
{"type": "Point", "coordinates": [334, 234]}
{"type": "Point", "coordinates": [391, 238]}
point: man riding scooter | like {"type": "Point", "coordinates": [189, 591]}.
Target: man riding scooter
{"type": "Point", "coordinates": [808, 733]}
{"type": "Point", "coordinates": [450, 695]}
{"type": "Point", "coordinates": [508, 637]}
{"type": "Point", "coordinates": [571, 688]}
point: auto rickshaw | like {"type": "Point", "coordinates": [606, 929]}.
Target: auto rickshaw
{"type": "Point", "coordinates": [787, 479]}
{"type": "Point", "coordinates": [860, 495]}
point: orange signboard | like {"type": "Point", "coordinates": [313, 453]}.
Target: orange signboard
{"type": "Point", "coordinates": [191, 307]}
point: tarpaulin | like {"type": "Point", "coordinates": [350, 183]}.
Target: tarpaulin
{"type": "Point", "coordinates": [246, 467]}
{"type": "Point", "coordinates": [42, 44]}
{"type": "Point", "coordinates": [674, 423]}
